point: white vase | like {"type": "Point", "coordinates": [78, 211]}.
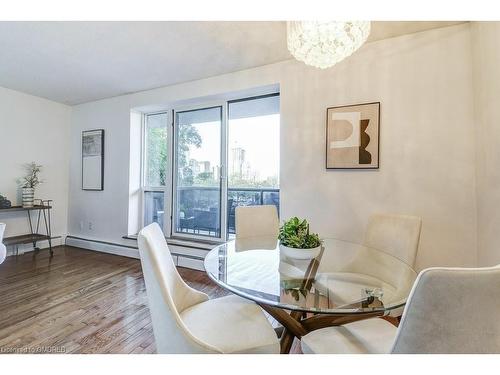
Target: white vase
{"type": "Point", "coordinates": [300, 253]}
{"type": "Point", "coordinates": [28, 197]}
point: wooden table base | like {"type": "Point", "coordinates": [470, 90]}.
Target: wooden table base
{"type": "Point", "coordinates": [298, 324]}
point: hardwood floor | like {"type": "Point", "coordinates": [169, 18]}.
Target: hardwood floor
{"type": "Point", "coordinates": [79, 301]}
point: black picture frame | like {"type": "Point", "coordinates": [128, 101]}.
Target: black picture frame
{"type": "Point", "coordinates": [96, 150]}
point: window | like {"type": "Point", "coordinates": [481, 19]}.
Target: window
{"type": "Point", "coordinates": [213, 159]}
{"type": "Point", "coordinates": [253, 174]}
{"type": "Point", "coordinates": [198, 165]}
{"type": "Point", "coordinates": [155, 167]}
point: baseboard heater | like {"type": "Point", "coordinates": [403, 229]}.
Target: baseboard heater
{"type": "Point", "coordinates": [190, 259]}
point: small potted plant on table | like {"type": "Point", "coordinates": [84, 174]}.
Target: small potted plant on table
{"type": "Point", "coordinates": [29, 182]}
{"type": "Point", "coordinates": [296, 241]}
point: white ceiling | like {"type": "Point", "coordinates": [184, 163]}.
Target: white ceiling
{"type": "Point", "coordinates": [78, 62]}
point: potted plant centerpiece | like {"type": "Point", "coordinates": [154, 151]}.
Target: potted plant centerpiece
{"type": "Point", "coordinates": [29, 182]}
{"type": "Point", "coordinates": [296, 241]}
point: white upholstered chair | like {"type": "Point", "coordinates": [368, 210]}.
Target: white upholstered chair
{"type": "Point", "coordinates": [390, 246]}
{"type": "Point", "coordinates": [256, 221]}
{"type": "Point", "coordinates": [398, 235]}
{"type": "Point", "coordinates": [3, 250]}
{"type": "Point", "coordinates": [186, 320]}
{"type": "Point", "coordinates": [450, 310]}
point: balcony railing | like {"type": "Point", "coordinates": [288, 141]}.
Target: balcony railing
{"type": "Point", "coordinates": [199, 207]}
{"type": "Point", "coordinates": [249, 197]}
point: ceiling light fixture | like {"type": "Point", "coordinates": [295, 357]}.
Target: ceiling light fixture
{"type": "Point", "coordinates": [323, 44]}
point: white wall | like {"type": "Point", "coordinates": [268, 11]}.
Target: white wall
{"type": "Point", "coordinates": [427, 163]}
{"type": "Point", "coordinates": [485, 41]}
{"type": "Point", "coordinates": [34, 129]}
{"type": "Point", "coordinates": [424, 84]}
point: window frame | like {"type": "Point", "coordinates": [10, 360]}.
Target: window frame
{"type": "Point", "coordinates": [150, 188]}
{"type": "Point", "coordinates": [222, 180]}
{"type": "Point", "coordinates": [171, 170]}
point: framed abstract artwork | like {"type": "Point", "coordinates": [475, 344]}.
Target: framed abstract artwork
{"type": "Point", "coordinates": [93, 160]}
{"type": "Point", "coordinates": [352, 136]}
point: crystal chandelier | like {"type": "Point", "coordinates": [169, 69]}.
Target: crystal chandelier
{"type": "Point", "coordinates": [322, 44]}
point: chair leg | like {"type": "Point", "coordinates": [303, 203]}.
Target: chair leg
{"type": "Point", "coordinates": [393, 320]}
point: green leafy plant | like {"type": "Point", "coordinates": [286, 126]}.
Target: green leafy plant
{"type": "Point", "coordinates": [295, 233]}
{"type": "Point", "coordinates": [31, 179]}
{"type": "Point", "coordinates": [294, 288]}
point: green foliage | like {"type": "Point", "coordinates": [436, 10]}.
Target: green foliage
{"type": "Point", "coordinates": [157, 156]}
{"type": "Point", "coordinates": [188, 135]}
{"type": "Point", "coordinates": [237, 181]}
{"type": "Point", "coordinates": [294, 288]}
{"type": "Point", "coordinates": [31, 179]}
{"type": "Point", "coordinates": [295, 233]}
{"type": "Point", "coordinates": [205, 179]}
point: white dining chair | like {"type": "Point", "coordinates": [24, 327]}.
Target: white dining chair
{"type": "Point", "coordinates": [398, 235]}
{"type": "Point", "coordinates": [3, 250]}
{"type": "Point", "coordinates": [449, 310]}
{"type": "Point", "coordinates": [385, 261]}
{"type": "Point", "coordinates": [186, 320]}
{"type": "Point", "coordinates": [256, 221]}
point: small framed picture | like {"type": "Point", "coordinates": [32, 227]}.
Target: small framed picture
{"type": "Point", "coordinates": [93, 160]}
{"type": "Point", "coordinates": [352, 136]}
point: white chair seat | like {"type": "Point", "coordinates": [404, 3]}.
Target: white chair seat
{"type": "Point", "coordinates": [232, 325]}
{"type": "Point", "coordinates": [370, 336]}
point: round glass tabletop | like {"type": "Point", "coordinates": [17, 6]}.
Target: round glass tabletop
{"type": "Point", "coordinates": [343, 278]}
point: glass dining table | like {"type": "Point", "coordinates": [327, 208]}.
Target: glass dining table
{"type": "Point", "coordinates": [344, 283]}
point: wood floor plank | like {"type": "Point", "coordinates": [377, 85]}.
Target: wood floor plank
{"type": "Point", "coordinates": [80, 300]}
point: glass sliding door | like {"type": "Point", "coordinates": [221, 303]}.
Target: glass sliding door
{"type": "Point", "coordinates": [253, 154]}
{"type": "Point", "coordinates": [197, 173]}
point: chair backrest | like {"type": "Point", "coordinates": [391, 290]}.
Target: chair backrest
{"type": "Point", "coordinates": [256, 221]}
{"type": "Point", "coordinates": [397, 235]}
{"type": "Point", "coordinates": [2, 230]}
{"type": "Point", "coordinates": [168, 295]}
{"type": "Point", "coordinates": [452, 310]}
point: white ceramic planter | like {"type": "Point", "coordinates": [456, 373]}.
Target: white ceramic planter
{"type": "Point", "coordinates": [28, 197]}
{"type": "Point", "coordinates": [300, 253]}
{"type": "Point", "coordinates": [290, 272]}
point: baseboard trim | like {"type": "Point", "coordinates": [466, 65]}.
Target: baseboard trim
{"type": "Point", "coordinates": [183, 260]}
{"type": "Point", "coordinates": [176, 241]}
{"type": "Point", "coordinates": [103, 246]}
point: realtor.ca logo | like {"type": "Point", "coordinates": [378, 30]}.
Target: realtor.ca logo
{"type": "Point", "coordinates": [33, 350]}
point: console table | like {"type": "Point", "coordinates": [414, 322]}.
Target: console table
{"type": "Point", "coordinates": [42, 211]}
